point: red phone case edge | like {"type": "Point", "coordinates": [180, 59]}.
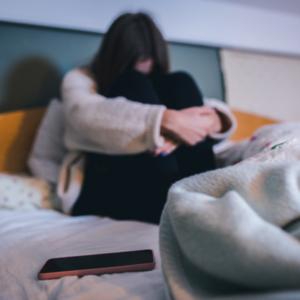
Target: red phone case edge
{"type": "Point", "coordinates": [99, 271]}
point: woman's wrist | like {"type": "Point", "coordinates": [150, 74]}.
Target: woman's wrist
{"type": "Point", "coordinates": [168, 122]}
{"type": "Point", "coordinates": [225, 121]}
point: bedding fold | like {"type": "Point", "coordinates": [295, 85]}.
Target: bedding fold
{"type": "Point", "coordinates": [221, 233]}
{"type": "Point", "coordinates": [29, 238]}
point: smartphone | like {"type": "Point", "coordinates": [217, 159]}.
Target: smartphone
{"type": "Point", "coordinates": [96, 264]}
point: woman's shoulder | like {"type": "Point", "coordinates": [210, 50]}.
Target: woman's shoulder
{"type": "Point", "coordinates": [79, 77]}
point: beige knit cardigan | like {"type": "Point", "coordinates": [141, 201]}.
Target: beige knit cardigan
{"type": "Point", "coordinates": [112, 126]}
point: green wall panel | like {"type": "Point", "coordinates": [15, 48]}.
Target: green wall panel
{"type": "Point", "coordinates": [34, 59]}
{"type": "Point", "coordinates": [203, 63]}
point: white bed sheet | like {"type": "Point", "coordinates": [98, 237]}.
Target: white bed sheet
{"type": "Point", "coordinates": [28, 239]}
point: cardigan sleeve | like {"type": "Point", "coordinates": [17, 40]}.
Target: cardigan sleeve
{"type": "Point", "coordinates": [110, 126]}
{"type": "Point", "coordinates": [228, 119]}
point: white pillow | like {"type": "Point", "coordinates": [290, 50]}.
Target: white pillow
{"type": "Point", "coordinates": [263, 139]}
{"type": "Point", "coordinates": [48, 149]}
{"type": "Point", "coordinates": [25, 193]}
{"type": "Point", "coordinates": [285, 151]}
{"type": "Point", "coordinates": [270, 135]}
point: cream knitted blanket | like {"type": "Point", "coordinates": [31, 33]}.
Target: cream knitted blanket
{"type": "Point", "coordinates": [233, 234]}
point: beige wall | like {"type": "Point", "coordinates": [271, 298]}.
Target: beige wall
{"type": "Point", "coordinates": [266, 85]}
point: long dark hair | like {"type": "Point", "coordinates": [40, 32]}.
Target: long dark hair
{"type": "Point", "coordinates": [130, 38]}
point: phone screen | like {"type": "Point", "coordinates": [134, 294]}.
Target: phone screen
{"type": "Point", "coordinates": [96, 261]}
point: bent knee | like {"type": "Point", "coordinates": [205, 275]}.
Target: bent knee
{"type": "Point", "coordinates": [128, 79]}
{"type": "Point", "coordinates": [132, 75]}
{"type": "Point", "coordinates": [182, 78]}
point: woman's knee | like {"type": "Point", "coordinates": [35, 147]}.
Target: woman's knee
{"type": "Point", "coordinates": [184, 89]}
{"type": "Point", "coordinates": [135, 86]}
{"type": "Point", "coordinates": [182, 78]}
{"type": "Point", "coordinates": [129, 79]}
{"type": "Point", "coordinates": [133, 75]}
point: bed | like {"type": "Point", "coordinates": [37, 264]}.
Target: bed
{"type": "Point", "coordinates": [29, 238]}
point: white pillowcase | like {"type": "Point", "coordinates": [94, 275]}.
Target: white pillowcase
{"type": "Point", "coordinates": [285, 151]}
{"type": "Point", "coordinates": [268, 136]}
{"type": "Point", "coordinates": [25, 193]}
{"type": "Point", "coordinates": [262, 143]}
{"type": "Point", "coordinates": [48, 149]}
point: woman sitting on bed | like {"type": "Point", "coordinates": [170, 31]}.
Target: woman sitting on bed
{"type": "Point", "coordinates": [142, 128]}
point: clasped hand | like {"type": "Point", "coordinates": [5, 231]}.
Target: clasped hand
{"type": "Point", "coordinates": [187, 126]}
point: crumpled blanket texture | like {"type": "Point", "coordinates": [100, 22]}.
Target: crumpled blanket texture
{"type": "Point", "coordinates": [233, 233]}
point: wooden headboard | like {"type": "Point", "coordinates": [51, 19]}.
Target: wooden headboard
{"type": "Point", "coordinates": [18, 129]}
{"type": "Point", "coordinates": [17, 132]}
{"type": "Point", "coordinates": [247, 124]}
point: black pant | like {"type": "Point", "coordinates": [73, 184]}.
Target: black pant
{"type": "Point", "coordinates": [136, 186]}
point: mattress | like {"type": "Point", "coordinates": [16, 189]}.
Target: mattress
{"type": "Point", "coordinates": [28, 239]}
